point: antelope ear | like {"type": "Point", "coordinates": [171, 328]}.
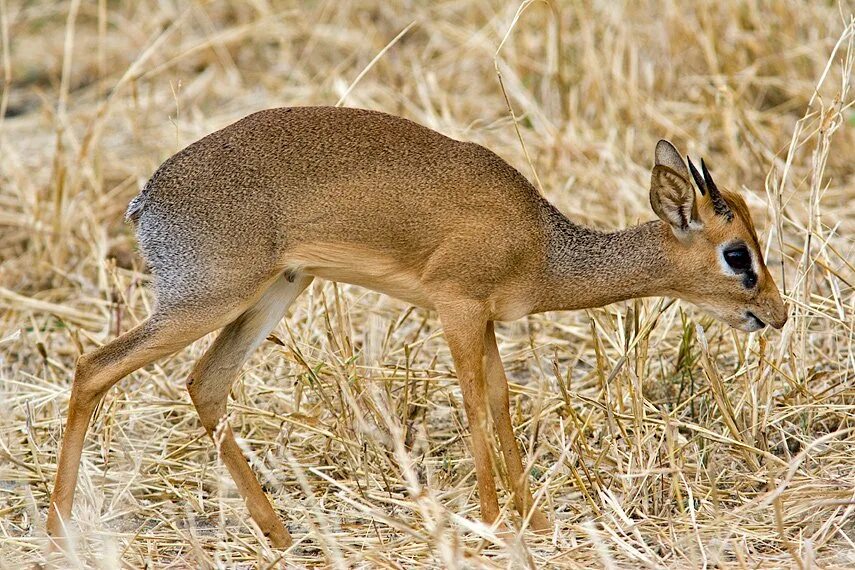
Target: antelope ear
{"type": "Point", "coordinates": [673, 199]}
{"type": "Point", "coordinates": [667, 155]}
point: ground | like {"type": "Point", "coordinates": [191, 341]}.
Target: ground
{"type": "Point", "coordinates": [657, 437]}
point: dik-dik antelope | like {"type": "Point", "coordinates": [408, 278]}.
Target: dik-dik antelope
{"type": "Point", "coordinates": [235, 226]}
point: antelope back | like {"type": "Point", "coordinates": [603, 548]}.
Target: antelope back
{"type": "Point", "coordinates": [346, 194]}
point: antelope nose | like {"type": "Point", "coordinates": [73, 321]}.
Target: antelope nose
{"type": "Point", "coordinates": [781, 316]}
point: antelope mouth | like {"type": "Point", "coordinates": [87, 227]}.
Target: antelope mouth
{"type": "Point", "coordinates": [754, 322]}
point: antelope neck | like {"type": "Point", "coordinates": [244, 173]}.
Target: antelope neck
{"type": "Point", "coordinates": [589, 268]}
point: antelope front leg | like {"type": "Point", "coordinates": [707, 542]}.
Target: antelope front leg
{"type": "Point", "coordinates": [497, 387]}
{"type": "Point", "coordinates": [464, 327]}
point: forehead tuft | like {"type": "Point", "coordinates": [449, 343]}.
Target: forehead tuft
{"type": "Point", "coordinates": [741, 211]}
{"type": "Point", "coordinates": [723, 229]}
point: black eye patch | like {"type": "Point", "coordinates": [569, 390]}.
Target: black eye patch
{"type": "Point", "coordinates": [738, 258]}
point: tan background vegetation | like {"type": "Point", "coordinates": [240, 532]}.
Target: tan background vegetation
{"type": "Point", "coordinates": [652, 445]}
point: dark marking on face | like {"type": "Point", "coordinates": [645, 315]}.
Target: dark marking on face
{"type": "Point", "coordinates": [738, 258]}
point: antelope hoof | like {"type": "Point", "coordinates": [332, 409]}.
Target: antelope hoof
{"type": "Point", "coordinates": [57, 540]}
{"type": "Point", "coordinates": [57, 544]}
{"type": "Point", "coordinates": [539, 523]}
{"type": "Point", "coordinates": [280, 537]}
{"type": "Point", "coordinates": [504, 531]}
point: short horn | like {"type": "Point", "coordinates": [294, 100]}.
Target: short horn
{"type": "Point", "coordinates": [719, 205]}
{"type": "Point", "coordinates": [699, 182]}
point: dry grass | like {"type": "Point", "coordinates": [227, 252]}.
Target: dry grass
{"type": "Point", "coordinates": [658, 438]}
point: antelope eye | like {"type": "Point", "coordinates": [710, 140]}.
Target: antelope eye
{"type": "Point", "coordinates": [738, 258]}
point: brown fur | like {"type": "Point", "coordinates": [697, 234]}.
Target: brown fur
{"type": "Point", "coordinates": [237, 224]}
